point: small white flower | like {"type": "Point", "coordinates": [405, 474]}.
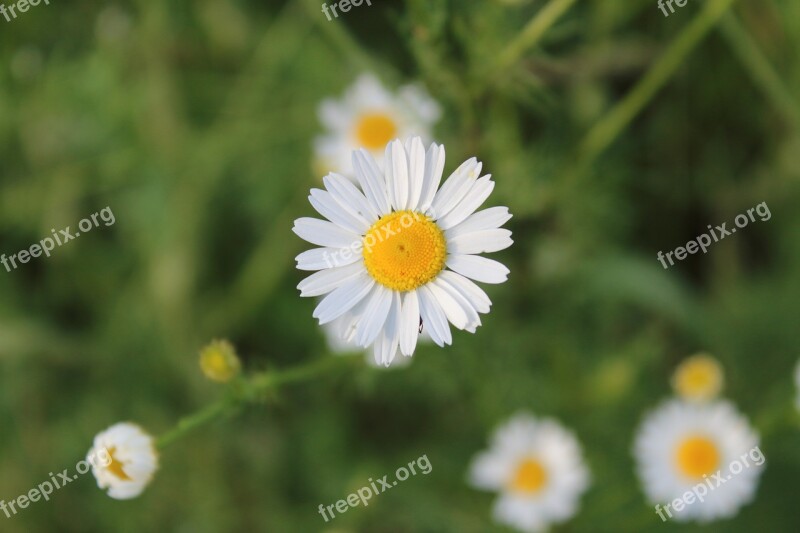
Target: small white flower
{"type": "Point", "coordinates": [369, 116]}
{"type": "Point", "coordinates": [682, 445]}
{"type": "Point", "coordinates": [537, 467]}
{"type": "Point", "coordinates": [400, 251]}
{"type": "Point", "coordinates": [124, 460]}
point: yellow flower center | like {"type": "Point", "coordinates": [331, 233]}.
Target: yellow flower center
{"type": "Point", "coordinates": [698, 378]}
{"type": "Point", "coordinates": [530, 477]}
{"type": "Point", "coordinates": [375, 130]}
{"type": "Point", "coordinates": [115, 466]}
{"type": "Point", "coordinates": [404, 250]}
{"type": "Point", "coordinates": [697, 456]}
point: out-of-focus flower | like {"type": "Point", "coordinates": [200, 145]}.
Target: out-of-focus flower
{"type": "Point", "coordinates": [129, 460]}
{"type": "Point", "coordinates": [537, 467]}
{"type": "Point", "coordinates": [401, 250]}
{"type": "Point", "coordinates": [219, 361]}
{"type": "Point", "coordinates": [698, 378]}
{"type": "Point", "coordinates": [369, 116]}
{"type": "Point", "coordinates": [683, 446]}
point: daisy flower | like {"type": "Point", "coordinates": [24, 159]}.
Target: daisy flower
{"type": "Point", "coordinates": [697, 460]}
{"type": "Point", "coordinates": [219, 361]}
{"type": "Point", "coordinates": [130, 460]}
{"type": "Point", "coordinates": [698, 378]}
{"type": "Point", "coordinates": [537, 467]}
{"type": "Point", "coordinates": [399, 254]}
{"type": "Point", "coordinates": [369, 116]}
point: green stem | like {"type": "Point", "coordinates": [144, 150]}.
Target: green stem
{"type": "Point", "coordinates": [249, 390]}
{"type": "Point", "coordinates": [761, 72]}
{"type": "Point", "coordinates": [615, 121]}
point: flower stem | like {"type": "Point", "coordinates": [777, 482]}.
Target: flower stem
{"type": "Point", "coordinates": [249, 390]}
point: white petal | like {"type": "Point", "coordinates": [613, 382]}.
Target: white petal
{"type": "Point", "coordinates": [325, 281]}
{"type": "Point", "coordinates": [473, 320]}
{"type": "Point", "coordinates": [456, 187]}
{"type": "Point", "coordinates": [409, 323]}
{"type": "Point", "coordinates": [371, 180]}
{"type": "Point", "coordinates": [491, 218]}
{"type": "Point", "coordinates": [391, 332]}
{"type": "Point", "coordinates": [456, 314]}
{"type": "Point", "coordinates": [479, 242]}
{"type": "Point", "coordinates": [347, 195]}
{"type": "Point", "coordinates": [343, 299]}
{"type": "Point", "coordinates": [326, 206]}
{"type": "Point", "coordinates": [478, 268]}
{"type": "Point", "coordinates": [416, 172]}
{"type": "Point", "coordinates": [396, 164]}
{"type": "Point", "coordinates": [433, 317]}
{"type": "Point", "coordinates": [472, 201]}
{"type": "Point", "coordinates": [374, 317]}
{"type": "Point", "coordinates": [434, 166]}
{"type": "Point", "coordinates": [322, 258]}
{"type": "Point", "coordinates": [324, 233]}
{"type": "Point", "coordinates": [476, 296]}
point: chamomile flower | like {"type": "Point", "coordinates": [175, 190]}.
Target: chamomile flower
{"type": "Point", "coordinates": [369, 116]}
{"type": "Point", "coordinates": [537, 467]}
{"type": "Point", "coordinates": [127, 460]}
{"type": "Point", "coordinates": [708, 446]}
{"type": "Point", "coordinates": [399, 251]}
{"type": "Point", "coordinates": [698, 378]}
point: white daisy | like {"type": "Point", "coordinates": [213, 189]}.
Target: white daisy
{"type": "Point", "coordinates": [128, 460]}
{"type": "Point", "coordinates": [685, 451]}
{"type": "Point", "coordinates": [397, 253]}
{"type": "Point", "coordinates": [369, 116]}
{"type": "Point", "coordinates": [537, 467]}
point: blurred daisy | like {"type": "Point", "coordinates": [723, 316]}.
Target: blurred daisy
{"type": "Point", "coordinates": [369, 116]}
{"type": "Point", "coordinates": [128, 460]}
{"type": "Point", "coordinates": [699, 378]}
{"type": "Point", "coordinates": [219, 361]}
{"type": "Point", "coordinates": [400, 254]}
{"type": "Point", "coordinates": [683, 446]}
{"type": "Point", "coordinates": [537, 468]}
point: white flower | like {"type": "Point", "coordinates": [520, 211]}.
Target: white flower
{"type": "Point", "coordinates": [123, 459]}
{"type": "Point", "coordinates": [537, 467]}
{"type": "Point", "coordinates": [384, 250]}
{"type": "Point", "coordinates": [369, 116]}
{"type": "Point", "coordinates": [707, 447]}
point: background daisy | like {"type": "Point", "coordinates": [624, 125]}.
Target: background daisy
{"type": "Point", "coordinates": [401, 251]}
{"type": "Point", "coordinates": [682, 444]}
{"type": "Point", "coordinates": [133, 460]}
{"type": "Point", "coordinates": [698, 378]}
{"type": "Point", "coordinates": [537, 468]}
{"type": "Point", "coordinates": [369, 116]}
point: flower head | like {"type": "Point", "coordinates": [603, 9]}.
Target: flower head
{"type": "Point", "coordinates": [537, 467]}
{"type": "Point", "coordinates": [369, 116]}
{"type": "Point", "coordinates": [707, 448]}
{"type": "Point", "coordinates": [219, 361]}
{"type": "Point", "coordinates": [399, 252]}
{"type": "Point", "coordinates": [129, 460]}
{"type": "Point", "coordinates": [698, 378]}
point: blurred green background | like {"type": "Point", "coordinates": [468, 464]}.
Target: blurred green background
{"type": "Point", "coordinates": [193, 120]}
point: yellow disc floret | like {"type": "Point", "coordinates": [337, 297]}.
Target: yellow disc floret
{"type": "Point", "coordinates": [375, 130]}
{"type": "Point", "coordinates": [698, 378]}
{"type": "Point", "coordinates": [529, 478]}
{"type": "Point", "coordinates": [697, 456]}
{"type": "Point", "coordinates": [404, 250]}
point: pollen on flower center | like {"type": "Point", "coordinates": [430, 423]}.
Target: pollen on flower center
{"type": "Point", "coordinates": [375, 130]}
{"type": "Point", "coordinates": [530, 477]}
{"type": "Point", "coordinates": [697, 456]}
{"type": "Point", "coordinates": [115, 466]}
{"type": "Point", "coordinates": [404, 250]}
